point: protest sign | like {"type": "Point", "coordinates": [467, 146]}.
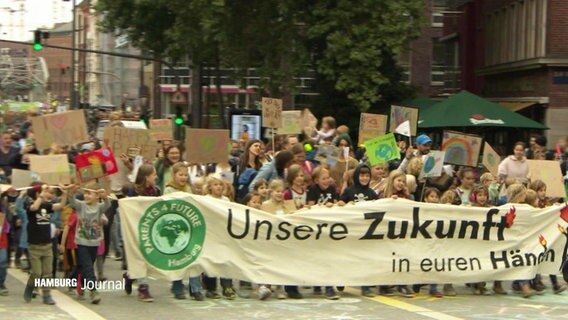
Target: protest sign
{"type": "Point", "coordinates": [207, 145]}
{"type": "Point", "coordinates": [549, 172]}
{"type": "Point", "coordinates": [65, 128]}
{"type": "Point", "coordinates": [23, 178]}
{"type": "Point", "coordinates": [309, 122]}
{"type": "Point", "coordinates": [291, 122]}
{"type": "Point", "coordinates": [371, 126]}
{"type": "Point", "coordinates": [399, 115]}
{"type": "Point", "coordinates": [161, 129]}
{"type": "Point", "coordinates": [95, 164]}
{"type": "Point", "coordinates": [461, 149]}
{"type": "Point", "coordinates": [382, 149]}
{"type": "Point", "coordinates": [433, 164]}
{"type": "Point", "coordinates": [130, 142]}
{"type": "Point", "coordinates": [405, 237]}
{"type": "Point", "coordinates": [52, 169]}
{"type": "Point", "coordinates": [491, 159]}
{"type": "Point", "coordinates": [328, 154]}
{"type": "Point", "coordinates": [271, 112]}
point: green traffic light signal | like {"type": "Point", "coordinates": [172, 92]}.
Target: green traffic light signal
{"type": "Point", "coordinates": [178, 121]}
{"type": "Point", "coordinates": [37, 46]}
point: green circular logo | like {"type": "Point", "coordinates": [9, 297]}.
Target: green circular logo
{"type": "Point", "coordinates": [171, 234]}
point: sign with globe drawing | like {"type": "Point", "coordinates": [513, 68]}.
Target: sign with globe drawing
{"type": "Point", "coordinates": [171, 234]}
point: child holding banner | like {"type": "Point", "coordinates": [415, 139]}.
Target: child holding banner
{"type": "Point", "coordinates": [432, 195]}
{"type": "Point", "coordinates": [144, 185]}
{"type": "Point", "coordinates": [296, 190]}
{"type": "Point", "coordinates": [379, 175]}
{"type": "Point", "coordinates": [180, 183]}
{"type": "Point", "coordinates": [89, 233]}
{"type": "Point", "coordinates": [360, 191]}
{"type": "Point", "coordinates": [466, 182]}
{"type": "Point", "coordinates": [538, 187]}
{"type": "Point", "coordinates": [215, 188]}
{"type": "Point", "coordinates": [517, 193]}
{"type": "Point", "coordinates": [480, 198]}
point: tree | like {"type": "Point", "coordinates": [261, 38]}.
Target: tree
{"type": "Point", "coordinates": [356, 39]}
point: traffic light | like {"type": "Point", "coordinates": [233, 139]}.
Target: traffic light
{"type": "Point", "coordinates": [145, 117]}
{"type": "Point", "coordinates": [37, 40]}
{"type": "Point", "coordinates": [179, 117]}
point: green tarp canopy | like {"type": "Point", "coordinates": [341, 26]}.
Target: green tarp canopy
{"type": "Point", "coordinates": [468, 110]}
{"type": "Point", "coordinates": [421, 102]}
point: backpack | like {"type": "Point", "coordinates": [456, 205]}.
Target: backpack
{"type": "Point", "coordinates": [243, 183]}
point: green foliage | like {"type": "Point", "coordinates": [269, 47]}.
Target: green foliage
{"type": "Point", "coordinates": [350, 43]}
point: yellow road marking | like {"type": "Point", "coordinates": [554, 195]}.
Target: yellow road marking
{"type": "Point", "coordinates": [407, 306]}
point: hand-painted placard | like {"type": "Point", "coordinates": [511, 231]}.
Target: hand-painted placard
{"type": "Point", "coordinates": [95, 164]}
{"type": "Point", "coordinates": [271, 112]}
{"type": "Point", "coordinates": [291, 122]}
{"type": "Point", "coordinates": [433, 164]}
{"type": "Point", "coordinates": [491, 159]}
{"type": "Point", "coordinates": [549, 172]}
{"type": "Point", "coordinates": [52, 169]}
{"type": "Point", "coordinates": [371, 126]}
{"type": "Point", "coordinates": [161, 129]}
{"type": "Point", "coordinates": [207, 145]}
{"type": "Point", "coordinates": [461, 149]}
{"type": "Point", "coordinates": [124, 140]}
{"type": "Point", "coordinates": [65, 128]}
{"type": "Point", "coordinates": [382, 149]}
{"type": "Point", "coordinates": [400, 114]}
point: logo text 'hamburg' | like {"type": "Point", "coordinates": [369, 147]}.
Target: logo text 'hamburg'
{"type": "Point", "coordinates": [171, 234]}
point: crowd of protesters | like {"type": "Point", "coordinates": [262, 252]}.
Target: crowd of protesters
{"type": "Point", "coordinates": [70, 229]}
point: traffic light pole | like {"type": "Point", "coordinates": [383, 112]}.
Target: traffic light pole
{"type": "Point", "coordinates": [115, 54]}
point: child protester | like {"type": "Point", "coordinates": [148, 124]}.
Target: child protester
{"type": "Point", "coordinates": [537, 191]}
{"type": "Point", "coordinates": [39, 237]}
{"type": "Point", "coordinates": [215, 188]}
{"type": "Point", "coordinates": [278, 206]}
{"type": "Point", "coordinates": [144, 185]}
{"type": "Point", "coordinates": [432, 195]}
{"type": "Point", "coordinates": [479, 197]}
{"type": "Point", "coordinates": [89, 232]}
{"type": "Point", "coordinates": [297, 186]}
{"type": "Point", "coordinates": [322, 193]}
{"type": "Point", "coordinates": [360, 191]}
{"type": "Point", "coordinates": [180, 183]}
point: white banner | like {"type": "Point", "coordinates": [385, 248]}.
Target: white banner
{"type": "Point", "coordinates": [375, 242]}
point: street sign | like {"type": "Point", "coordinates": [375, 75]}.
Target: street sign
{"type": "Point", "coordinates": [178, 98]}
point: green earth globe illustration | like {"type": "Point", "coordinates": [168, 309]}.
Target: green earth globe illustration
{"type": "Point", "coordinates": [171, 233]}
{"type": "Point", "coordinates": [384, 152]}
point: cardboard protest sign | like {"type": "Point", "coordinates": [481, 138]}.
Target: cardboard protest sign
{"type": "Point", "coordinates": [23, 178]}
{"type": "Point", "coordinates": [65, 128]}
{"type": "Point", "coordinates": [461, 149]}
{"type": "Point", "coordinates": [271, 112]}
{"type": "Point", "coordinates": [327, 153]}
{"type": "Point", "coordinates": [161, 129]}
{"type": "Point", "coordinates": [382, 149]}
{"type": "Point", "coordinates": [96, 184]}
{"type": "Point", "coordinates": [291, 122]}
{"type": "Point", "coordinates": [491, 159]}
{"type": "Point", "coordinates": [96, 164]}
{"type": "Point", "coordinates": [309, 122]}
{"type": "Point", "coordinates": [52, 169]}
{"type": "Point", "coordinates": [433, 164]}
{"type": "Point", "coordinates": [131, 142]}
{"type": "Point", "coordinates": [371, 126]}
{"type": "Point", "coordinates": [399, 115]}
{"type": "Point", "coordinates": [207, 145]}
{"type": "Point", "coordinates": [549, 172]}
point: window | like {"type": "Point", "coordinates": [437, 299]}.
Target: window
{"type": "Point", "coordinates": [438, 73]}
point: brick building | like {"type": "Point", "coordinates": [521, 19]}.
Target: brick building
{"type": "Point", "coordinates": [514, 52]}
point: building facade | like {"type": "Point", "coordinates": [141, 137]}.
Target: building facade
{"type": "Point", "coordinates": [514, 52]}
